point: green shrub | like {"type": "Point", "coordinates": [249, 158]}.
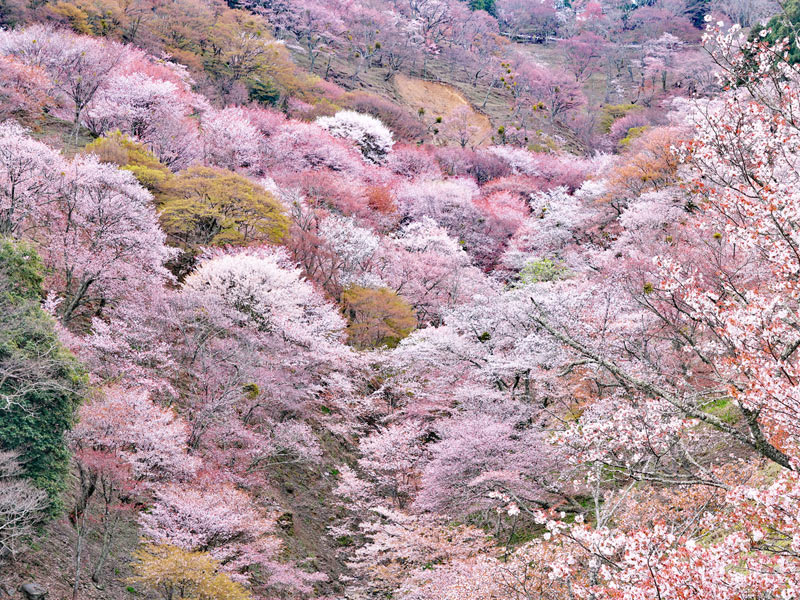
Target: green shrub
{"type": "Point", "coordinates": [612, 112]}
{"type": "Point", "coordinates": [118, 149]}
{"type": "Point", "coordinates": [210, 206]}
{"type": "Point", "coordinates": [542, 269]}
{"type": "Point", "coordinates": [633, 134]}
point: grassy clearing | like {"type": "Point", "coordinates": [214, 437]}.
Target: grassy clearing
{"type": "Point", "coordinates": [61, 134]}
{"type": "Point", "coordinates": [439, 100]}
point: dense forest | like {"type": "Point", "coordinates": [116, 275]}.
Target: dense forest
{"type": "Point", "coordinates": [399, 299]}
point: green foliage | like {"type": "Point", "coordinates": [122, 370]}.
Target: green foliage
{"type": "Point", "coordinates": [542, 269]}
{"type": "Point", "coordinates": [118, 149]}
{"type": "Point", "coordinates": [42, 383]}
{"type": "Point", "coordinates": [633, 134]}
{"type": "Point", "coordinates": [783, 25]}
{"type": "Point", "coordinates": [611, 112]}
{"type": "Point", "coordinates": [251, 390]}
{"type": "Point", "coordinates": [724, 409]}
{"type": "Point", "coordinates": [21, 270]}
{"type": "Point", "coordinates": [264, 92]}
{"type": "Point", "coordinates": [211, 206]}
{"type": "Point", "coordinates": [344, 541]}
{"type": "Point", "coordinates": [378, 317]}
{"type": "Point", "coordinates": [487, 5]}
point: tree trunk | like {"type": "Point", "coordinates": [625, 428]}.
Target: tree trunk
{"type": "Point", "coordinates": [108, 534]}
{"type": "Point", "coordinates": [81, 530]}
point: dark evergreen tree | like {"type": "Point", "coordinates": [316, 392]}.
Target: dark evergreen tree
{"type": "Point", "coordinates": [487, 5]}
{"type": "Point", "coordinates": [781, 26]}
{"type": "Point", "coordinates": [696, 11]}
{"type": "Point", "coordinates": [41, 383]}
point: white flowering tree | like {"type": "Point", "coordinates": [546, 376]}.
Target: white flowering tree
{"type": "Point", "coordinates": [371, 136]}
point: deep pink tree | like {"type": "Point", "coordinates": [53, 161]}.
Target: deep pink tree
{"type": "Point", "coordinates": [26, 90]}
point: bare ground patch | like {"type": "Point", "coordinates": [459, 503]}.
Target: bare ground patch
{"type": "Point", "coordinates": [439, 100]}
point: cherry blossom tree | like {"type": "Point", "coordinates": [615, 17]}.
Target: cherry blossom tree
{"type": "Point", "coordinates": [150, 439]}
{"type": "Point", "coordinates": [195, 518]}
{"type": "Point", "coordinates": [430, 269]}
{"type": "Point", "coordinates": [77, 65]}
{"type": "Point", "coordinates": [30, 174]}
{"type": "Point", "coordinates": [260, 344]}
{"type": "Point", "coordinates": [457, 127]}
{"type": "Point", "coordinates": [318, 27]}
{"type": "Point", "coordinates": [102, 241]}
{"type": "Point", "coordinates": [558, 222]}
{"type": "Point", "coordinates": [451, 204]}
{"type": "Point", "coordinates": [152, 110]}
{"type": "Point", "coordinates": [368, 133]}
{"type": "Point", "coordinates": [745, 12]}
{"type": "Point", "coordinates": [26, 91]}
{"type": "Point", "coordinates": [660, 55]}
{"type": "Point", "coordinates": [261, 288]}
{"type": "Point", "coordinates": [95, 224]}
{"type": "Point", "coordinates": [394, 455]}
{"type": "Point", "coordinates": [528, 20]}
{"type": "Point", "coordinates": [583, 53]}
{"type": "Point", "coordinates": [478, 456]}
{"type": "Point", "coordinates": [230, 140]}
{"type": "Point", "coordinates": [302, 146]}
{"type": "Point", "coordinates": [401, 548]}
{"type": "Point", "coordinates": [353, 249]}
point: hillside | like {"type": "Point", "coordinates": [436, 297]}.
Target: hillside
{"type": "Point", "coordinates": [420, 299]}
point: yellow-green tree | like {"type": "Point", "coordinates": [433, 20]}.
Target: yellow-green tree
{"type": "Point", "coordinates": [118, 149]}
{"type": "Point", "coordinates": [178, 574]}
{"type": "Point", "coordinates": [209, 206]}
{"type": "Point", "coordinates": [377, 316]}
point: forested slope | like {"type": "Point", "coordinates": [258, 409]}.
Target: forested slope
{"type": "Point", "coordinates": [421, 300]}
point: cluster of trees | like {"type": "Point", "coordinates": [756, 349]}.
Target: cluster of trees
{"type": "Point", "coordinates": [629, 402]}
{"type": "Point", "coordinates": [222, 274]}
{"type": "Point", "coordinates": [229, 51]}
{"type": "Point", "coordinates": [636, 53]}
{"type": "Point", "coordinates": [556, 377]}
